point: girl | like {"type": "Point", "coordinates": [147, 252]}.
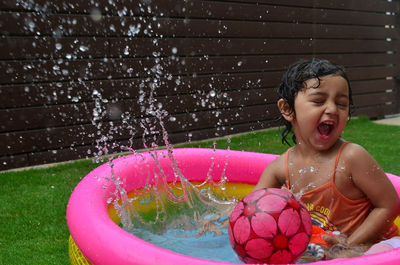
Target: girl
{"type": "Point", "coordinates": [341, 184]}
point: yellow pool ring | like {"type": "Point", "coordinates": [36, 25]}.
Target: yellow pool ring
{"type": "Point", "coordinates": [397, 223]}
{"type": "Point", "coordinates": [237, 190]}
{"type": "Point", "coordinates": [76, 256]}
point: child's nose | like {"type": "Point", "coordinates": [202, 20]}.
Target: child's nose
{"type": "Point", "coordinates": [331, 108]}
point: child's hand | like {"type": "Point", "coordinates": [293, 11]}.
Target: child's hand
{"type": "Point", "coordinates": [335, 240]}
{"type": "Point", "coordinates": [339, 248]}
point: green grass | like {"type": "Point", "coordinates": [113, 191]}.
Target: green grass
{"type": "Point", "coordinates": [32, 213]}
{"type": "Point", "coordinates": [33, 203]}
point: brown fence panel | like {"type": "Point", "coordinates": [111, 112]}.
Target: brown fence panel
{"type": "Point", "coordinates": [75, 75]}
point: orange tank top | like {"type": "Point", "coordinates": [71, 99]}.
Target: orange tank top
{"type": "Point", "coordinates": [329, 208]}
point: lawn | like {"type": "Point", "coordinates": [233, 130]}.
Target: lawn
{"type": "Point", "coordinates": [33, 202]}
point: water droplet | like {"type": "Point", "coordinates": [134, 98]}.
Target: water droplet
{"type": "Point", "coordinates": [212, 93]}
{"type": "Point", "coordinates": [58, 46]}
{"type": "Point", "coordinates": [83, 48]}
{"type": "Point", "coordinates": [95, 15]}
{"type": "Point", "coordinates": [31, 25]}
{"type": "Point", "coordinates": [126, 50]}
{"type": "Point", "coordinates": [134, 30]}
{"type": "Point", "coordinates": [240, 63]}
{"type": "Point", "coordinates": [174, 50]}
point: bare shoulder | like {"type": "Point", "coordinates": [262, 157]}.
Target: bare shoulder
{"type": "Point", "coordinates": [355, 153]}
{"type": "Point", "coordinates": [277, 166]}
{"type": "Point", "coordinates": [273, 175]}
{"type": "Point", "coordinates": [360, 164]}
{"type": "Point", "coordinates": [367, 174]}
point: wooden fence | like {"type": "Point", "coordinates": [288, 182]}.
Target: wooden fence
{"type": "Point", "coordinates": [76, 74]}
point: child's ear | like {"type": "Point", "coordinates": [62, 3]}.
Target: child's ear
{"type": "Point", "coordinates": [285, 110]}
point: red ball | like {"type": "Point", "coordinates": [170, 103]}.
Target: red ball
{"type": "Point", "coordinates": [270, 226]}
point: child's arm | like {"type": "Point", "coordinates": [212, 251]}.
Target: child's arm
{"type": "Point", "coordinates": [273, 175]}
{"type": "Point", "coordinates": [373, 182]}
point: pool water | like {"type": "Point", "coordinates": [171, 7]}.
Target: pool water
{"type": "Point", "coordinates": [197, 230]}
{"type": "Point", "coordinates": [187, 242]}
{"type": "Point", "coordinates": [207, 246]}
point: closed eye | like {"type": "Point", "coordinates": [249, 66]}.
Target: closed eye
{"type": "Point", "coordinates": [318, 102]}
{"type": "Point", "coordinates": [342, 103]}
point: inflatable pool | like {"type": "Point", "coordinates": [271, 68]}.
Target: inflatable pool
{"type": "Point", "coordinates": [97, 239]}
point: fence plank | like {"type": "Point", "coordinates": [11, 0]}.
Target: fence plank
{"type": "Point", "coordinates": [47, 47]}
{"type": "Point", "coordinates": [376, 111]}
{"type": "Point", "coordinates": [374, 99]}
{"type": "Point", "coordinates": [78, 25]}
{"type": "Point", "coordinates": [295, 11]}
{"type": "Point", "coordinates": [370, 86]}
{"type": "Point", "coordinates": [100, 47]}
{"type": "Point", "coordinates": [210, 46]}
{"type": "Point", "coordinates": [374, 6]}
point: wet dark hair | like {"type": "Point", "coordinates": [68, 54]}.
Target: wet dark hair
{"type": "Point", "coordinates": [293, 81]}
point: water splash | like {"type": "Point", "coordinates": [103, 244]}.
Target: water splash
{"type": "Point", "coordinates": [110, 120]}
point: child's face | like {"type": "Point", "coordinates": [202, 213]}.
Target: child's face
{"type": "Point", "coordinates": [321, 113]}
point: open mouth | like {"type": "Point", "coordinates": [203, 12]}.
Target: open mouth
{"type": "Point", "coordinates": [326, 128]}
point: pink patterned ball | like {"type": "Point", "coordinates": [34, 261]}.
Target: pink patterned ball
{"type": "Point", "coordinates": [270, 226]}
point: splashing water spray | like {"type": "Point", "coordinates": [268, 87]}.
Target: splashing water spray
{"type": "Point", "coordinates": [176, 200]}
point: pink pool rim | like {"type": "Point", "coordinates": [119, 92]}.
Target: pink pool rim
{"type": "Point", "coordinates": [104, 242]}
